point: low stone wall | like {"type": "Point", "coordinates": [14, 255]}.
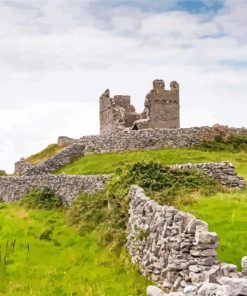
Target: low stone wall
{"type": "Point", "coordinates": [154, 138]}
{"type": "Point", "coordinates": [222, 172]}
{"type": "Point", "coordinates": [175, 250]}
{"type": "Point", "coordinates": [65, 156]}
{"type": "Point", "coordinates": [67, 186]}
{"type": "Point", "coordinates": [124, 141]}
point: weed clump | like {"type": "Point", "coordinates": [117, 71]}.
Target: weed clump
{"type": "Point", "coordinates": [42, 198]}
{"type": "Point", "coordinates": [107, 213]}
{"type": "Point", "coordinates": [88, 211]}
{"type": "Point", "coordinates": [46, 235]}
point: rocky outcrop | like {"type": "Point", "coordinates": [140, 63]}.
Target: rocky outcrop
{"type": "Point", "coordinates": [176, 251]}
{"type": "Point", "coordinates": [66, 186]}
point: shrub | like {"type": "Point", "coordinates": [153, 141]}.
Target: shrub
{"type": "Point", "coordinates": [107, 213]}
{"type": "Point", "coordinates": [88, 211]}
{"type": "Point", "coordinates": [164, 185]}
{"type": "Point", "coordinates": [42, 198]}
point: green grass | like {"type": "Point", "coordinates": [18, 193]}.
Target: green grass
{"type": "Point", "coordinates": [226, 215]}
{"type": "Point", "coordinates": [107, 163]}
{"type": "Point", "coordinates": [224, 212]}
{"type": "Point", "coordinates": [63, 263]}
{"type": "Point", "coordinates": [48, 152]}
{"type": "Point", "coordinates": [69, 264]}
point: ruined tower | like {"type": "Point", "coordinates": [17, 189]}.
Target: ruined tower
{"type": "Point", "coordinates": [161, 110]}
{"type": "Point", "coordinates": [162, 106]}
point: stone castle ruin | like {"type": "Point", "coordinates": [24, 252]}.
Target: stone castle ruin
{"type": "Point", "coordinates": [161, 110]}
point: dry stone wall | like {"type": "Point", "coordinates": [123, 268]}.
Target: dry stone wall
{"type": "Point", "coordinates": [124, 141]}
{"type": "Point", "coordinates": [176, 251]}
{"type": "Point", "coordinates": [154, 138]}
{"type": "Point", "coordinates": [222, 172]}
{"type": "Point", "coordinates": [65, 156]}
{"type": "Point", "coordinates": [67, 186]}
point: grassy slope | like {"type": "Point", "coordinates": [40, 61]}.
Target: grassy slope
{"type": "Point", "coordinates": [225, 213]}
{"type": "Point", "coordinates": [48, 152]}
{"type": "Point", "coordinates": [67, 265]}
{"type": "Point", "coordinates": [107, 163]}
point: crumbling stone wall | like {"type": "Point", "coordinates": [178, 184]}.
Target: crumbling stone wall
{"type": "Point", "coordinates": [116, 113]}
{"type": "Point", "coordinates": [161, 110]}
{"type": "Point", "coordinates": [222, 172]}
{"type": "Point", "coordinates": [156, 138]}
{"type": "Point", "coordinates": [176, 250]}
{"type": "Point", "coordinates": [67, 186]}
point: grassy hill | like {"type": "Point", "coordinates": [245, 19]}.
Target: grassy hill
{"type": "Point", "coordinates": [225, 212]}
{"type": "Point", "coordinates": [41, 255]}
{"type": "Point", "coordinates": [108, 162]}
{"type": "Point", "coordinates": [44, 154]}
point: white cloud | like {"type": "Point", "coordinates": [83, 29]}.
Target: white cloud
{"type": "Point", "coordinates": [28, 129]}
{"type": "Point", "coordinates": [57, 57]}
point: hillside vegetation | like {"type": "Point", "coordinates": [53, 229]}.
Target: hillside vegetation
{"type": "Point", "coordinates": [226, 215]}
{"type": "Point", "coordinates": [46, 153]}
{"type": "Point", "coordinates": [50, 250]}
{"type": "Point", "coordinates": [41, 255]}
{"type": "Point", "coordinates": [108, 162]}
{"type": "Point", "coordinates": [224, 212]}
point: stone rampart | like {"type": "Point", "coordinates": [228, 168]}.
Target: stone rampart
{"type": "Point", "coordinates": [127, 140]}
{"type": "Point", "coordinates": [175, 250]}
{"type": "Point", "coordinates": [67, 186]}
{"type": "Point", "coordinates": [154, 138]}
{"type": "Point", "coordinates": [65, 156]}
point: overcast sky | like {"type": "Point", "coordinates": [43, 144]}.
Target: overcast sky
{"type": "Point", "coordinates": [58, 56]}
